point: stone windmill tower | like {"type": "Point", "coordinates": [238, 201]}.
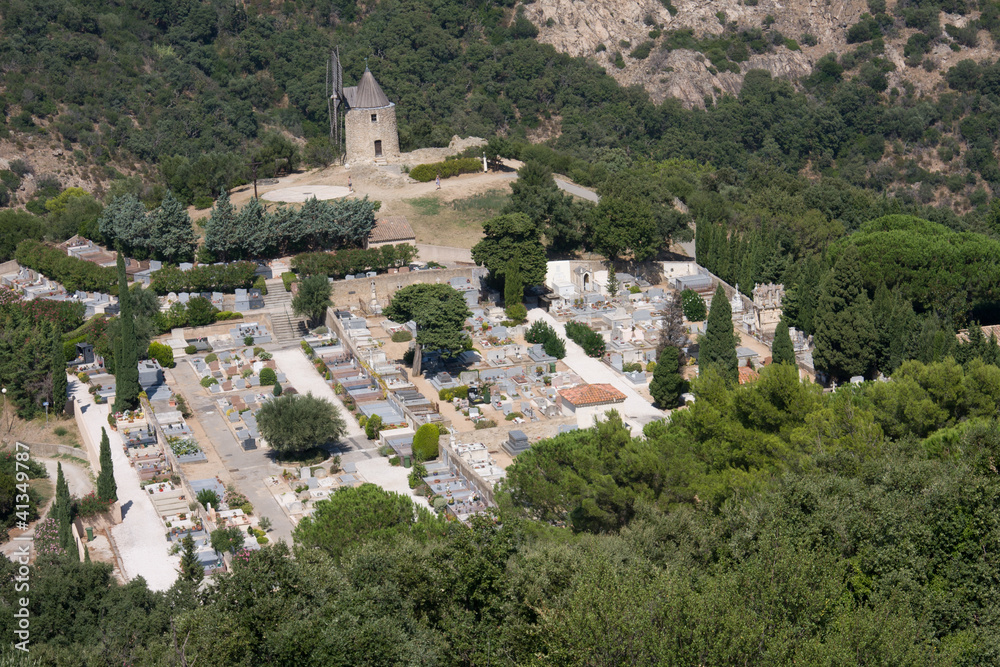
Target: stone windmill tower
{"type": "Point", "coordinates": [370, 124]}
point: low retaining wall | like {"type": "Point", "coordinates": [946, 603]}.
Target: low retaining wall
{"type": "Point", "coordinates": [53, 451]}
{"type": "Point", "coordinates": [358, 292]}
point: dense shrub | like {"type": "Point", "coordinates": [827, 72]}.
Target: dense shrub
{"type": "Point", "coordinates": [74, 274]}
{"type": "Point", "coordinates": [268, 377]}
{"type": "Point", "coordinates": [425, 442]}
{"type": "Point", "coordinates": [428, 172]}
{"type": "Point", "coordinates": [591, 341]}
{"type": "Point", "coordinates": [402, 336]}
{"type": "Point", "coordinates": [161, 353]}
{"type": "Point", "coordinates": [205, 278]}
{"type": "Point", "coordinates": [288, 278]}
{"type": "Point", "coordinates": [447, 394]}
{"type": "Point", "coordinates": [542, 332]}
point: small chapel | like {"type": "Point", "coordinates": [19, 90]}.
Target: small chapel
{"type": "Point", "coordinates": [370, 124]}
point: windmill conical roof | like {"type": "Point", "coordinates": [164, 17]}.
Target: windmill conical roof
{"type": "Point", "coordinates": [368, 94]}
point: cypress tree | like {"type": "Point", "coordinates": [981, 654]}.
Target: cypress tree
{"type": "Point", "coordinates": [782, 352]}
{"type": "Point", "coordinates": [845, 331]}
{"type": "Point", "coordinates": [513, 285]}
{"type": "Point", "coordinates": [191, 569]}
{"type": "Point", "coordinates": [62, 510]}
{"type": "Point", "coordinates": [107, 488]}
{"type": "Point", "coordinates": [59, 384]}
{"type": "Point", "coordinates": [667, 384]}
{"type": "Point", "coordinates": [718, 348]}
{"type": "Point", "coordinates": [126, 348]}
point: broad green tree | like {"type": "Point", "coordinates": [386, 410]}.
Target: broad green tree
{"type": "Point", "coordinates": [845, 332]}
{"type": "Point", "coordinates": [619, 228]}
{"type": "Point", "coordinates": [440, 312]}
{"type": "Point", "coordinates": [509, 242]}
{"type": "Point", "coordinates": [313, 298]}
{"type": "Point", "coordinates": [556, 214]}
{"type": "Point", "coordinates": [107, 487]}
{"type": "Point", "coordinates": [355, 515]}
{"type": "Point", "coordinates": [227, 539]}
{"type": "Point", "coordinates": [718, 348]}
{"type": "Point", "coordinates": [782, 351]}
{"type": "Point", "coordinates": [295, 423]}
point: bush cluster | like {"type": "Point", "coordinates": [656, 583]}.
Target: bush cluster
{"type": "Point", "coordinates": [205, 278]}
{"type": "Point", "coordinates": [288, 278]}
{"type": "Point", "coordinates": [591, 341]}
{"type": "Point", "coordinates": [454, 392]}
{"type": "Point", "coordinates": [402, 336]}
{"type": "Point", "coordinates": [542, 332]}
{"type": "Point", "coordinates": [428, 172]}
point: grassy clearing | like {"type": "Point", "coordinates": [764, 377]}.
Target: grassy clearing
{"type": "Point", "coordinates": [457, 223]}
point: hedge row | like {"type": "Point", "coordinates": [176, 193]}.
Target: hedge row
{"type": "Point", "coordinates": [205, 278]}
{"type": "Point", "coordinates": [448, 168]}
{"type": "Point", "coordinates": [350, 261]}
{"type": "Point", "coordinates": [74, 274]}
{"type": "Point", "coordinates": [591, 341]}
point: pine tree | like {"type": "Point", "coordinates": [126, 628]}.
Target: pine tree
{"type": "Point", "coordinates": [191, 569]}
{"type": "Point", "coordinates": [220, 231]}
{"type": "Point", "coordinates": [782, 351]}
{"type": "Point", "coordinates": [673, 333]}
{"type": "Point", "coordinates": [253, 234]}
{"type": "Point", "coordinates": [173, 237]}
{"type": "Point", "coordinates": [718, 348]}
{"type": "Point", "coordinates": [845, 331]}
{"type": "Point", "coordinates": [62, 511]}
{"type": "Point", "coordinates": [107, 488]}
{"type": "Point", "coordinates": [59, 383]}
{"type": "Point", "coordinates": [667, 384]}
{"type": "Point", "coordinates": [126, 348]}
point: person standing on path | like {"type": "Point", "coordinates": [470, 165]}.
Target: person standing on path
{"type": "Point", "coordinates": [438, 181]}
{"type": "Point", "coordinates": [350, 187]}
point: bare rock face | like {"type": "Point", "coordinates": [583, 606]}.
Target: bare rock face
{"type": "Point", "coordinates": [578, 27]}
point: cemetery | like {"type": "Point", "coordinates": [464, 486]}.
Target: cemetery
{"type": "Point", "coordinates": [239, 369]}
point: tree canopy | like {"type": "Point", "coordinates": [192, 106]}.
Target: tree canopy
{"type": "Point", "coordinates": [718, 347]}
{"type": "Point", "coordinates": [512, 242]}
{"type": "Point", "coordinates": [295, 423]}
{"type": "Point", "coordinates": [440, 312]}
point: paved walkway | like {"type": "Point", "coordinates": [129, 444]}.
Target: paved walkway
{"type": "Point", "coordinates": [577, 190]}
{"type": "Point", "coordinates": [302, 375]}
{"type": "Point", "coordinates": [141, 537]}
{"type": "Point", "coordinates": [372, 466]}
{"type": "Point", "coordinates": [635, 408]}
{"type": "Point", "coordinates": [77, 476]}
{"type": "Point", "coordinates": [248, 470]}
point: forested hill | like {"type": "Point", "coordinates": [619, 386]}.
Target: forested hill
{"type": "Point", "coordinates": [182, 93]}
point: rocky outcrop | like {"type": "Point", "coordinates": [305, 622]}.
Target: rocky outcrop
{"type": "Point", "coordinates": [578, 27]}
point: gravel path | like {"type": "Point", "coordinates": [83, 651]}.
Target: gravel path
{"type": "Point", "coordinates": [77, 477]}
{"type": "Point", "coordinates": [593, 371]}
{"type": "Point", "coordinates": [141, 537]}
{"type": "Point", "coordinates": [303, 376]}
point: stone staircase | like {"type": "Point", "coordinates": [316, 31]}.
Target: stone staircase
{"type": "Point", "coordinates": [286, 326]}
